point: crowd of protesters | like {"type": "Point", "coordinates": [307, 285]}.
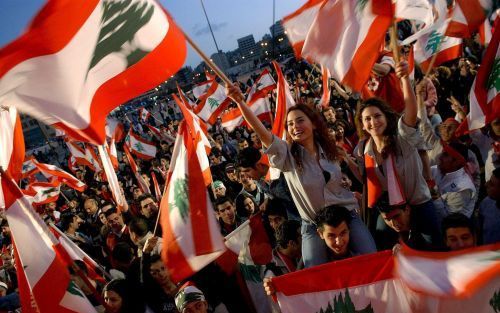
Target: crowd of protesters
{"type": "Point", "coordinates": [358, 175]}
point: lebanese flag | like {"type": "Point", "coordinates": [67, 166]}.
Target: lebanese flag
{"type": "Point", "coordinates": [93, 158]}
{"type": "Point", "coordinates": [446, 48]}
{"type": "Point", "coordinates": [144, 115]}
{"type": "Point", "coordinates": [159, 135]}
{"type": "Point", "coordinates": [345, 37]}
{"type": "Point", "coordinates": [191, 237]}
{"type": "Point", "coordinates": [72, 164]}
{"type": "Point", "coordinates": [44, 192]}
{"type": "Point", "coordinates": [29, 167]}
{"type": "Point", "coordinates": [79, 154]}
{"type": "Point", "coordinates": [139, 146]}
{"type": "Point", "coordinates": [75, 253]}
{"type": "Point", "coordinates": [73, 66]}
{"type": "Point", "coordinates": [209, 76]}
{"type": "Point", "coordinates": [157, 186]}
{"type": "Point", "coordinates": [198, 131]}
{"type": "Point", "coordinates": [484, 99]}
{"type": "Point", "coordinates": [325, 97]}
{"type": "Point", "coordinates": [283, 102]}
{"type": "Point", "coordinates": [485, 32]}
{"type": "Point", "coordinates": [114, 186]}
{"type": "Point", "coordinates": [467, 17]}
{"type": "Point", "coordinates": [185, 99]}
{"type": "Point", "coordinates": [133, 166]}
{"type": "Point", "coordinates": [51, 171]}
{"type": "Point", "coordinates": [201, 89]}
{"type": "Point", "coordinates": [115, 129]}
{"type": "Point", "coordinates": [298, 23]}
{"type": "Point", "coordinates": [12, 153]}
{"type": "Point", "coordinates": [213, 103]}
{"type": "Point", "coordinates": [113, 153]}
{"type": "Point", "coordinates": [262, 86]}
{"type": "Point", "coordinates": [45, 280]}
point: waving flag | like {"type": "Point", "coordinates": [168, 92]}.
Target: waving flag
{"type": "Point", "coordinates": [325, 97]}
{"type": "Point", "coordinates": [81, 157]}
{"type": "Point", "coordinates": [113, 153]}
{"type": "Point", "coordinates": [185, 99]}
{"type": "Point", "coordinates": [159, 135]}
{"type": "Point", "coordinates": [29, 167]}
{"type": "Point", "coordinates": [12, 142]}
{"type": "Point", "coordinates": [198, 131]}
{"type": "Point", "coordinates": [115, 129]}
{"type": "Point", "coordinates": [298, 23]}
{"type": "Point", "coordinates": [144, 115]}
{"type": "Point", "coordinates": [262, 86]}
{"type": "Point", "coordinates": [92, 157]}
{"type": "Point", "coordinates": [213, 103]}
{"type": "Point", "coordinates": [44, 276]}
{"type": "Point", "coordinates": [345, 38]}
{"type": "Point", "coordinates": [484, 98]}
{"type": "Point", "coordinates": [72, 165]}
{"type": "Point", "coordinates": [201, 89]}
{"type": "Point", "coordinates": [133, 166]}
{"type": "Point", "coordinates": [467, 17]}
{"type": "Point", "coordinates": [139, 146]}
{"type": "Point", "coordinates": [157, 186]}
{"type": "Point", "coordinates": [51, 171]}
{"type": "Point", "coordinates": [209, 76]}
{"type": "Point", "coordinates": [191, 237]}
{"type": "Point", "coordinates": [446, 48]}
{"type": "Point", "coordinates": [80, 59]}
{"type": "Point", "coordinates": [44, 192]}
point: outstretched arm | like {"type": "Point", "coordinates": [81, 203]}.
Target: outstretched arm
{"type": "Point", "coordinates": [410, 116]}
{"type": "Point", "coordinates": [265, 136]}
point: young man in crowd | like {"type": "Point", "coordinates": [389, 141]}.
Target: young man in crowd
{"type": "Point", "coordinates": [226, 212]}
{"type": "Point", "coordinates": [458, 232]}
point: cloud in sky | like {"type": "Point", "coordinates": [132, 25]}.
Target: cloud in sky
{"type": "Point", "coordinates": [206, 30]}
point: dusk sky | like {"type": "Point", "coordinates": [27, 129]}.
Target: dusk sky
{"type": "Point", "coordinates": [230, 19]}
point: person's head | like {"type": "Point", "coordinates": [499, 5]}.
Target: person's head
{"type": "Point", "coordinates": [219, 188]}
{"type": "Point", "coordinates": [254, 138]}
{"type": "Point", "coordinates": [493, 185]}
{"type": "Point", "coordinates": [190, 299]}
{"type": "Point", "coordinates": [3, 289]}
{"type": "Point", "coordinates": [249, 161]}
{"type": "Point", "coordinates": [247, 206]}
{"type": "Point", "coordinates": [146, 179]}
{"type": "Point", "coordinates": [115, 220]}
{"type": "Point", "coordinates": [219, 139]}
{"type": "Point", "coordinates": [276, 213]}
{"type": "Point", "coordinates": [215, 156]}
{"type": "Point", "coordinates": [495, 127]}
{"type": "Point", "coordinates": [242, 144]}
{"type": "Point", "coordinates": [333, 227]}
{"type": "Point", "coordinates": [117, 294]}
{"type": "Point", "coordinates": [158, 271]}
{"type": "Point", "coordinates": [458, 231]}
{"type": "Point", "coordinates": [90, 206]}
{"type": "Point", "coordinates": [376, 118]}
{"type": "Point", "coordinates": [329, 115]}
{"type": "Point", "coordinates": [231, 172]}
{"type": "Point", "coordinates": [5, 228]}
{"type": "Point", "coordinates": [149, 207]}
{"type": "Point", "coordinates": [70, 221]}
{"type": "Point", "coordinates": [136, 192]}
{"type": "Point", "coordinates": [452, 158]}
{"type": "Point", "coordinates": [289, 239]}
{"type": "Point", "coordinates": [226, 210]}
{"type": "Point", "coordinates": [138, 229]}
{"type": "Point", "coordinates": [447, 129]}
{"type": "Point", "coordinates": [396, 217]}
{"type": "Point", "coordinates": [345, 181]}
{"type": "Point", "coordinates": [246, 180]}
{"type": "Point", "coordinates": [51, 206]}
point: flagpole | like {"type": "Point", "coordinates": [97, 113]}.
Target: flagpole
{"type": "Point", "coordinates": [394, 40]}
{"type": "Point", "coordinates": [207, 60]}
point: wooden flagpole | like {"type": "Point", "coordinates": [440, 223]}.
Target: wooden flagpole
{"type": "Point", "coordinates": [394, 40]}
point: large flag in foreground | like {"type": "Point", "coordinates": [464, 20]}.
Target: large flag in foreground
{"type": "Point", "coordinates": [345, 37]}
{"type": "Point", "coordinates": [80, 59]}
{"type": "Point", "coordinates": [421, 282]}
{"type": "Point", "coordinates": [45, 275]}
{"type": "Point", "coordinates": [191, 236]}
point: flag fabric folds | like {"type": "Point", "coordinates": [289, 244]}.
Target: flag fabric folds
{"type": "Point", "coordinates": [133, 166]}
{"type": "Point", "coordinates": [29, 167]}
{"type": "Point", "coordinates": [325, 96]}
{"type": "Point", "coordinates": [144, 115]}
{"type": "Point", "coordinates": [44, 276]}
{"type": "Point", "coordinates": [139, 146]}
{"type": "Point", "coordinates": [191, 236]}
{"type": "Point", "coordinates": [345, 37]}
{"type": "Point", "coordinates": [44, 192]}
{"type": "Point", "coordinates": [79, 154]}
{"type": "Point", "coordinates": [51, 171]}
{"type": "Point", "coordinates": [73, 76]}
{"type": "Point", "coordinates": [213, 103]}
{"type": "Point", "coordinates": [467, 16]}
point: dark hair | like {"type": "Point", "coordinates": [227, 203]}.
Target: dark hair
{"type": "Point", "coordinates": [126, 291]}
{"type": "Point", "coordinates": [383, 205]}
{"type": "Point", "coordinates": [390, 132]}
{"type": "Point", "coordinates": [276, 206]}
{"type": "Point", "coordinates": [288, 230]}
{"type": "Point", "coordinates": [138, 226]}
{"type": "Point", "coordinates": [110, 211]}
{"type": "Point", "coordinates": [144, 196]}
{"type": "Point", "coordinates": [154, 258]}
{"type": "Point", "coordinates": [321, 135]}
{"type": "Point", "coordinates": [240, 205]}
{"type": "Point", "coordinates": [248, 157]}
{"type": "Point", "coordinates": [455, 220]}
{"type": "Point", "coordinates": [65, 220]}
{"type": "Point", "coordinates": [333, 215]}
{"type": "Point", "coordinates": [221, 201]}
{"type": "Point", "coordinates": [122, 252]}
{"type": "Point", "coordinates": [496, 172]}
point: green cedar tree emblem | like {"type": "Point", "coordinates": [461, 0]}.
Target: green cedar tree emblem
{"type": "Point", "coordinates": [181, 200]}
{"type": "Point", "coordinates": [433, 42]}
{"type": "Point", "coordinates": [74, 290]}
{"type": "Point", "coordinates": [360, 5]}
{"type": "Point", "coordinates": [213, 103]}
{"type": "Point", "coordinates": [494, 79]}
{"type": "Point", "coordinates": [495, 301]}
{"type": "Point", "coordinates": [121, 20]}
{"type": "Point", "coordinates": [49, 191]}
{"type": "Point", "coordinates": [344, 304]}
{"type": "Point", "coordinates": [251, 272]}
{"type": "Point", "coordinates": [139, 147]}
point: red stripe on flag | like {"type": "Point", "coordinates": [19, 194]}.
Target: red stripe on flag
{"type": "Point", "coordinates": [443, 56]}
{"type": "Point", "coordinates": [364, 59]}
{"type": "Point", "coordinates": [260, 247]}
{"type": "Point", "coordinates": [279, 119]}
{"type": "Point", "coordinates": [15, 167]}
